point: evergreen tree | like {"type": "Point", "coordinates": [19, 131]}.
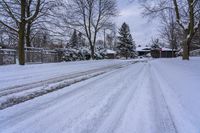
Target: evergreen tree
{"type": "Point", "coordinates": [126, 44]}
{"type": "Point", "coordinates": [81, 42]}
{"type": "Point", "coordinates": [73, 43]}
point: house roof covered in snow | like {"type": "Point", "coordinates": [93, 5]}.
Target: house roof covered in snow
{"type": "Point", "coordinates": [109, 51]}
{"type": "Point", "coordinates": [146, 49]}
{"type": "Point", "coordinates": [143, 49]}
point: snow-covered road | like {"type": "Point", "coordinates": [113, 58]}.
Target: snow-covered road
{"type": "Point", "coordinates": [134, 99]}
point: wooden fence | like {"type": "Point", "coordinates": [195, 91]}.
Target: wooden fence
{"type": "Point", "coordinates": [32, 55]}
{"type": "Point", "coordinates": [7, 56]}
{"type": "Point", "coordinates": [38, 55]}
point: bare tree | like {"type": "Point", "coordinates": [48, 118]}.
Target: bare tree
{"type": "Point", "coordinates": [89, 16]}
{"type": "Point", "coordinates": [39, 23]}
{"type": "Point", "coordinates": [192, 26]}
{"type": "Point", "coordinates": [16, 20]}
{"type": "Point", "coordinates": [170, 31]}
{"type": "Point", "coordinates": [186, 14]}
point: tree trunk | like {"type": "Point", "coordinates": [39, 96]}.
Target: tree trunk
{"type": "Point", "coordinates": [21, 43]}
{"type": "Point", "coordinates": [28, 28]}
{"type": "Point", "coordinates": [21, 33]}
{"type": "Point", "coordinates": [92, 52]}
{"type": "Point", "coordinates": [186, 50]}
{"type": "Point", "coordinates": [28, 32]}
{"type": "Point", "coordinates": [28, 40]}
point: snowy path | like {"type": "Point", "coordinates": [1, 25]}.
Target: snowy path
{"type": "Point", "coordinates": [133, 99]}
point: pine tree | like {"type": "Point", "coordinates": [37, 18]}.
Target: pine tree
{"type": "Point", "coordinates": [73, 43]}
{"type": "Point", "coordinates": [81, 42]}
{"type": "Point", "coordinates": [126, 44]}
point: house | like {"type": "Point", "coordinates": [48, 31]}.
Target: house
{"type": "Point", "coordinates": [168, 53]}
{"type": "Point", "coordinates": [143, 51]}
{"type": "Point", "coordinates": [156, 52]}
{"type": "Point", "coordinates": [163, 53]}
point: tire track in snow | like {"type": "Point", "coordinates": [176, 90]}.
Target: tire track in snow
{"type": "Point", "coordinates": [110, 124]}
{"type": "Point", "coordinates": [182, 120]}
{"type": "Point", "coordinates": [147, 111]}
{"type": "Point", "coordinates": [90, 120]}
{"type": "Point", "coordinates": [163, 115]}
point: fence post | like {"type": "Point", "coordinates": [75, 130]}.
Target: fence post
{"type": "Point", "coordinates": [1, 57]}
{"type": "Point", "coordinates": [14, 57]}
{"type": "Point", "coordinates": [42, 55]}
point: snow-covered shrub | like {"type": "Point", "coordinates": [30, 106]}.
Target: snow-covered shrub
{"type": "Point", "coordinates": [98, 56]}
{"type": "Point", "coordinates": [73, 54]}
{"type": "Point", "coordinates": [85, 53]}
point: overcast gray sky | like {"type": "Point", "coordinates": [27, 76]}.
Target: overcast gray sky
{"type": "Point", "coordinates": [142, 30]}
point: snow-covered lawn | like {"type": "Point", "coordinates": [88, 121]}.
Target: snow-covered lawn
{"type": "Point", "coordinates": [158, 96]}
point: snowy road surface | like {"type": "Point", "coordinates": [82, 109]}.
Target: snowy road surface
{"type": "Point", "coordinates": [158, 96]}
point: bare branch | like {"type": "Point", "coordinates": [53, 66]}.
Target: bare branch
{"type": "Point", "coordinates": [9, 27]}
